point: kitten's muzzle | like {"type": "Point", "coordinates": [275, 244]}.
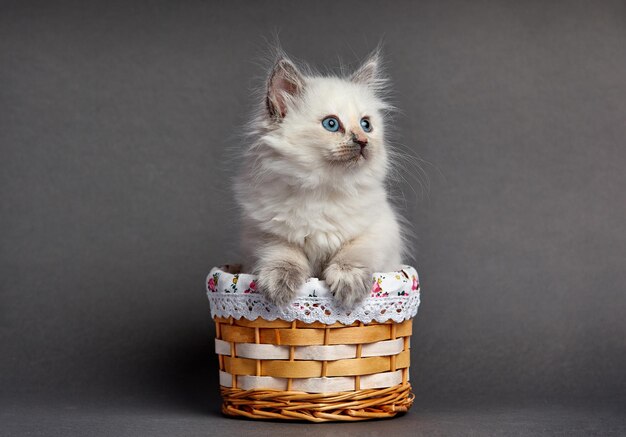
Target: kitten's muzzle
{"type": "Point", "coordinates": [361, 141]}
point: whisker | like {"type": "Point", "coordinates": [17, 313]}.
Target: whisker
{"type": "Point", "coordinates": [408, 166]}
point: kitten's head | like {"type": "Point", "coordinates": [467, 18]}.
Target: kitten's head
{"type": "Point", "coordinates": [326, 129]}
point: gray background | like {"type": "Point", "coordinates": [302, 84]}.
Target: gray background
{"type": "Point", "coordinates": [115, 124]}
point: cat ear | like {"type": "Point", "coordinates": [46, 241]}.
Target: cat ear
{"type": "Point", "coordinates": [369, 72]}
{"type": "Point", "coordinates": [285, 83]}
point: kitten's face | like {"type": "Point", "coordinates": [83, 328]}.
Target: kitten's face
{"type": "Point", "coordinates": [327, 127]}
{"type": "Point", "coordinates": [335, 123]}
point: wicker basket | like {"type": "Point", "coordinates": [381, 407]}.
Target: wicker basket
{"type": "Point", "coordinates": [296, 367]}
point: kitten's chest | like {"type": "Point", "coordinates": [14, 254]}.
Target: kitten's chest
{"type": "Point", "coordinates": [322, 225]}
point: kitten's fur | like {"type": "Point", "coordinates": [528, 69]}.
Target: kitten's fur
{"type": "Point", "coordinates": [314, 202]}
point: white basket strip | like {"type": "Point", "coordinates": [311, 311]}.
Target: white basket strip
{"type": "Point", "coordinates": [321, 353]}
{"type": "Point", "coordinates": [314, 385]}
{"type": "Point", "coordinates": [324, 385]}
{"type": "Point", "coordinates": [318, 353]}
{"type": "Point", "coordinates": [222, 347]}
{"type": "Point", "coordinates": [383, 348]}
{"type": "Point", "coordinates": [226, 379]}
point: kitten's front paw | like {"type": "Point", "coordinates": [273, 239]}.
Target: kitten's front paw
{"type": "Point", "coordinates": [350, 284]}
{"type": "Point", "coordinates": [279, 281]}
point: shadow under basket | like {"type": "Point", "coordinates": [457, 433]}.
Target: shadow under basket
{"type": "Point", "coordinates": [314, 361]}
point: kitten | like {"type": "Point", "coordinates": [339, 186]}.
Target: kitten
{"type": "Point", "coordinates": [312, 186]}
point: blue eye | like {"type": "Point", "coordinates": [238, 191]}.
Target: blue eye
{"type": "Point", "coordinates": [331, 124]}
{"type": "Point", "coordinates": [366, 125]}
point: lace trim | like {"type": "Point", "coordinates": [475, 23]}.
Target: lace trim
{"type": "Point", "coordinates": [315, 309]}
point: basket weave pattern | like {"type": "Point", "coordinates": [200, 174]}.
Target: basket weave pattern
{"type": "Point", "coordinates": [313, 371]}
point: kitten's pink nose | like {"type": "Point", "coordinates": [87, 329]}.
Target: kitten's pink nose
{"type": "Point", "coordinates": [360, 139]}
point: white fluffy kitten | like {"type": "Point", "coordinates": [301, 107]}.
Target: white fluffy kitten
{"type": "Point", "coordinates": [312, 189]}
